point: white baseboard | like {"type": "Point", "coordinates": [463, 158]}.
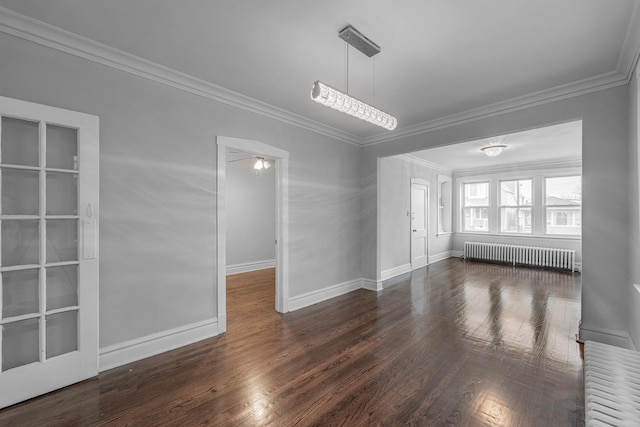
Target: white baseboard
{"type": "Point", "coordinates": [310, 298]}
{"type": "Point", "coordinates": [605, 336]}
{"type": "Point", "coordinates": [130, 351]}
{"type": "Point", "coordinates": [440, 256]}
{"type": "Point", "coordinates": [250, 266]}
{"type": "Point", "coordinates": [371, 285]}
{"type": "Point", "coordinates": [395, 271]}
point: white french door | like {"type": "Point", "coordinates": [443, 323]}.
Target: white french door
{"type": "Point", "coordinates": [419, 223]}
{"type": "Point", "coordinates": [48, 249]}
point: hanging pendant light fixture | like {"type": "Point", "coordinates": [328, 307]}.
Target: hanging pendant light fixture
{"type": "Point", "coordinates": [330, 97]}
{"type": "Point", "coordinates": [338, 100]}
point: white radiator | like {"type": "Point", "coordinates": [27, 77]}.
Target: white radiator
{"type": "Point", "coordinates": [611, 386]}
{"type": "Point", "coordinates": [522, 255]}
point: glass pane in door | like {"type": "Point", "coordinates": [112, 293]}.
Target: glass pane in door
{"type": "Point", "coordinates": [62, 240]}
{"type": "Point", "coordinates": [62, 333]}
{"type": "Point", "coordinates": [62, 193]}
{"type": "Point", "coordinates": [20, 343]}
{"type": "Point", "coordinates": [20, 242]}
{"type": "Point", "coordinates": [62, 147]}
{"type": "Point", "coordinates": [48, 293]}
{"type": "Point", "coordinates": [20, 192]}
{"type": "Point", "coordinates": [62, 287]}
{"type": "Point", "coordinates": [20, 293]}
{"type": "Point", "coordinates": [19, 142]}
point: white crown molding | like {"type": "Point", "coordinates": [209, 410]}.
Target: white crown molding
{"type": "Point", "coordinates": [568, 163]}
{"type": "Point", "coordinates": [56, 38]}
{"type": "Point", "coordinates": [570, 90]}
{"type": "Point", "coordinates": [627, 61]}
{"type": "Point", "coordinates": [422, 162]}
{"type": "Point", "coordinates": [30, 29]}
{"type": "Point", "coordinates": [631, 46]}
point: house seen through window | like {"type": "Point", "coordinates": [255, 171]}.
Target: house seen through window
{"type": "Point", "coordinates": [563, 205]}
{"type": "Point", "coordinates": [476, 206]}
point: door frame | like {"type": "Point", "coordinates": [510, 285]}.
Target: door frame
{"type": "Point", "coordinates": [419, 181]}
{"type": "Point", "coordinates": [281, 158]}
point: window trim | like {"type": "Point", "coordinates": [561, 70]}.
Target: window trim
{"type": "Point", "coordinates": [445, 206]}
{"type": "Point", "coordinates": [537, 175]}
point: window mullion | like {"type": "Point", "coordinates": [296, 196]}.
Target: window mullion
{"type": "Point", "coordinates": [494, 206]}
{"type": "Point", "coordinates": [537, 207]}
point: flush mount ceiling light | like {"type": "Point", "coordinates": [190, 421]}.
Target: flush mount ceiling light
{"type": "Point", "coordinates": [338, 100]}
{"type": "Point", "coordinates": [493, 150]}
{"type": "Point", "coordinates": [495, 147]}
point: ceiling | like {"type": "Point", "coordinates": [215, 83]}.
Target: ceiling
{"type": "Point", "coordinates": [439, 58]}
{"type": "Point", "coordinates": [557, 143]}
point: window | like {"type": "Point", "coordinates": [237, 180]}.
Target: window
{"type": "Point", "coordinates": [543, 203]}
{"type": "Point", "coordinates": [444, 204]}
{"type": "Point", "coordinates": [476, 206]}
{"type": "Point", "coordinates": [515, 206]}
{"type": "Point", "coordinates": [563, 205]}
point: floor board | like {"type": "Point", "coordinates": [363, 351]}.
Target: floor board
{"type": "Point", "coordinates": [456, 343]}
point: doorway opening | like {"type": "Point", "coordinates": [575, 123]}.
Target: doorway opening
{"type": "Point", "coordinates": [281, 159]}
{"type": "Point", "coordinates": [528, 193]}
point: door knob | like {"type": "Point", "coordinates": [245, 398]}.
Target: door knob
{"type": "Point", "coordinates": [415, 231]}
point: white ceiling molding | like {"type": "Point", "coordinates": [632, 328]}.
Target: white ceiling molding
{"type": "Point", "coordinates": [44, 34]}
{"type": "Point", "coordinates": [422, 162]}
{"type": "Point", "coordinates": [627, 60]}
{"type": "Point", "coordinates": [631, 46]}
{"type": "Point", "coordinates": [569, 163]}
{"type": "Point", "coordinates": [594, 84]}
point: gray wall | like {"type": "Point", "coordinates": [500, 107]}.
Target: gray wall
{"type": "Point", "coordinates": [605, 245]}
{"type": "Point", "coordinates": [157, 159]}
{"type": "Point", "coordinates": [395, 194]}
{"type": "Point", "coordinates": [251, 213]}
{"type": "Point", "coordinates": [157, 189]}
{"type": "Point", "coordinates": [634, 213]}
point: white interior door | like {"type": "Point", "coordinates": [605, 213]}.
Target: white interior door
{"type": "Point", "coordinates": [419, 223]}
{"type": "Point", "coordinates": [48, 249]}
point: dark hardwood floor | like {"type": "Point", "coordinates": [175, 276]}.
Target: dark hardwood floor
{"type": "Point", "coordinates": [457, 343]}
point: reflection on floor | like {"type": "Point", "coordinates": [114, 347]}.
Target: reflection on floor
{"type": "Point", "coordinates": [456, 343]}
